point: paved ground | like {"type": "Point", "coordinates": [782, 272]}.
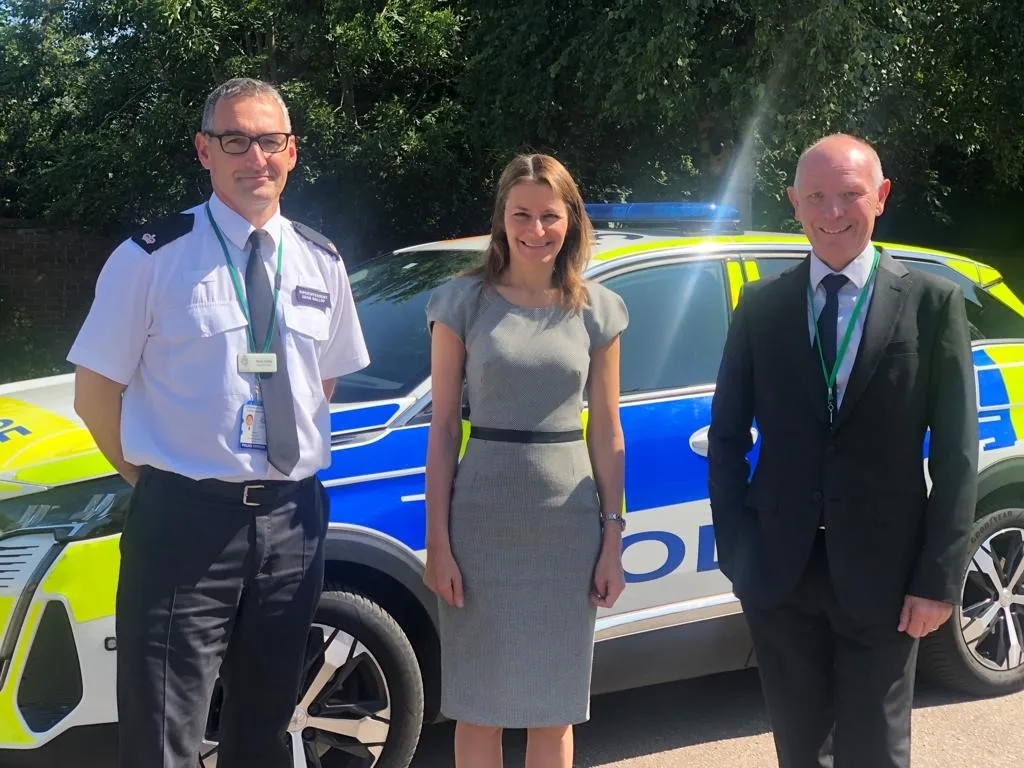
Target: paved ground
{"type": "Point", "coordinates": [719, 722]}
{"type": "Point", "coordinates": [715, 722]}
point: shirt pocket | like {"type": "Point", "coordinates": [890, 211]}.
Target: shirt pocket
{"type": "Point", "coordinates": [198, 321]}
{"type": "Point", "coordinates": [309, 322]}
{"type": "Point", "coordinates": [204, 287]}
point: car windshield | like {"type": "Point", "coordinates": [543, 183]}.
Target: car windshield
{"type": "Point", "coordinates": [989, 317]}
{"type": "Point", "coordinates": [391, 293]}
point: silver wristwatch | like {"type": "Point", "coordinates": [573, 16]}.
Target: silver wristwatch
{"type": "Point", "coordinates": [616, 518]}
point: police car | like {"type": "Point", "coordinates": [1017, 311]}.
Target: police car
{"type": "Point", "coordinates": [373, 669]}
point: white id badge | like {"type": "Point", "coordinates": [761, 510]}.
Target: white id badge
{"type": "Point", "coordinates": [254, 426]}
{"type": "Point", "coordinates": [257, 362]}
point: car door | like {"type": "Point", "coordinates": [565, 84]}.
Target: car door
{"type": "Point", "coordinates": [679, 311]}
{"type": "Point", "coordinates": [759, 266]}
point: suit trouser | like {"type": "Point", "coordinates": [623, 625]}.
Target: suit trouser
{"type": "Point", "coordinates": [212, 586]}
{"type": "Point", "coordinates": [839, 691]}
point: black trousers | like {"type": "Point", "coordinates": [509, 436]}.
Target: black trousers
{"type": "Point", "coordinates": [839, 692]}
{"type": "Point", "coordinates": [215, 584]}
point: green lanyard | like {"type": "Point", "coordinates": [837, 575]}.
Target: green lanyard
{"type": "Point", "coordinates": [240, 293]}
{"type": "Point", "coordinates": [830, 378]}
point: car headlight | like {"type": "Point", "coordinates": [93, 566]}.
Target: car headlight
{"type": "Point", "coordinates": [72, 512]}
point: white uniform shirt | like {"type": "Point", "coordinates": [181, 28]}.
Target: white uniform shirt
{"type": "Point", "coordinates": [169, 326]}
{"type": "Point", "coordinates": [857, 273]}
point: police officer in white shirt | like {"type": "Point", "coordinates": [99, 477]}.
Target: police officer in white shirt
{"type": "Point", "coordinates": [204, 372]}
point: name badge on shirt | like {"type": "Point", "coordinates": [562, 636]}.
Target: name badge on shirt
{"type": "Point", "coordinates": [311, 297]}
{"type": "Point", "coordinates": [253, 426]}
{"type": "Point", "coordinates": [257, 362]}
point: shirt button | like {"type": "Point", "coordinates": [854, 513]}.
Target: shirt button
{"type": "Point", "coordinates": [816, 495]}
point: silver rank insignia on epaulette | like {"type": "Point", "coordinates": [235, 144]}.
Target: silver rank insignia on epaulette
{"type": "Point", "coordinates": [159, 233]}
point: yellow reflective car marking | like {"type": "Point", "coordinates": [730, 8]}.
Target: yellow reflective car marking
{"type": "Point", "coordinates": [716, 241]}
{"type": "Point", "coordinates": [987, 274]}
{"type": "Point", "coordinates": [628, 250]}
{"type": "Point", "coordinates": [22, 427]}
{"type": "Point", "coordinates": [751, 270]}
{"type": "Point", "coordinates": [6, 609]}
{"type": "Point", "coordinates": [86, 574]}
{"type": "Point", "coordinates": [88, 465]}
{"type": "Point", "coordinates": [12, 727]}
{"type": "Point", "coordinates": [1004, 294]}
{"type": "Point", "coordinates": [735, 281]}
{"type": "Point", "coordinates": [41, 448]}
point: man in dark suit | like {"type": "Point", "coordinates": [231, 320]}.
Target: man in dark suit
{"type": "Point", "coordinates": [841, 557]}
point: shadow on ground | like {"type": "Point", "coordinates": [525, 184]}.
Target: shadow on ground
{"type": "Point", "coordinates": [660, 718]}
{"type": "Point", "coordinates": [622, 726]}
{"type": "Point", "coordinates": [640, 722]}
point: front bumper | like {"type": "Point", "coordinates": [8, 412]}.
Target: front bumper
{"type": "Point", "coordinates": [57, 649]}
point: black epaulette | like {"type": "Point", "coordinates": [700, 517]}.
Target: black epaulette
{"type": "Point", "coordinates": [159, 233]}
{"type": "Point", "coordinates": [317, 239]}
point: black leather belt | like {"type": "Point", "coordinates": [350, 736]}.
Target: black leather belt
{"type": "Point", "coordinates": [524, 435]}
{"type": "Point", "coordinates": [251, 493]}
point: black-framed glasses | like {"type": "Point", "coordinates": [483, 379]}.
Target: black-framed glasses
{"type": "Point", "coordinates": [239, 143]}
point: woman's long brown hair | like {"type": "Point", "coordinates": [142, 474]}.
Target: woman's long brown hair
{"type": "Point", "coordinates": [574, 256]}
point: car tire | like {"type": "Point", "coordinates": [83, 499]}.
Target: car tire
{"type": "Point", "coordinates": [361, 679]}
{"type": "Point", "coordinates": [374, 628]}
{"type": "Point", "coordinates": [971, 652]}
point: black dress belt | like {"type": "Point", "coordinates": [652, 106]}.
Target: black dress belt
{"type": "Point", "coordinates": [524, 435]}
{"type": "Point", "coordinates": [251, 493]}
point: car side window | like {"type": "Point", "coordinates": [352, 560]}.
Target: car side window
{"type": "Point", "coordinates": [942, 271]}
{"type": "Point", "coordinates": [770, 266]}
{"type": "Point", "coordinates": [678, 321]}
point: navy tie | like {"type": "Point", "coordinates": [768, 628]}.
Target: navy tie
{"type": "Point", "coordinates": [828, 320]}
{"type": "Point", "coordinates": [275, 388]}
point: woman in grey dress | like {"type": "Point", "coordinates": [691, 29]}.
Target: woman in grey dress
{"type": "Point", "coordinates": [524, 535]}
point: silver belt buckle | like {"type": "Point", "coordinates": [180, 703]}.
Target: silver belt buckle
{"type": "Point", "coordinates": [245, 496]}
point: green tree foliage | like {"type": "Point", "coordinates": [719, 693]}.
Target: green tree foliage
{"type": "Point", "coordinates": [105, 96]}
{"type": "Point", "coordinates": [407, 109]}
{"type": "Point", "coordinates": [711, 97]}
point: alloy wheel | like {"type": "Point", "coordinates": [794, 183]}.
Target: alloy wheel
{"type": "Point", "coordinates": [992, 613]}
{"type": "Point", "coordinates": [344, 713]}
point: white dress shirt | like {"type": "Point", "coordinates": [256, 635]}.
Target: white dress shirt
{"type": "Point", "coordinates": [168, 325]}
{"type": "Point", "coordinates": [857, 273]}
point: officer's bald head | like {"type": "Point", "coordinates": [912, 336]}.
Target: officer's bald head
{"type": "Point", "coordinates": [841, 143]}
{"type": "Point", "coordinates": [838, 192]}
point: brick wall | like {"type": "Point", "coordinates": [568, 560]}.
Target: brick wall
{"type": "Point", "coordinates": [48, 276]}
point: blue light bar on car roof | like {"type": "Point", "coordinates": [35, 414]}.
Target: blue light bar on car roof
{"type": "Point", "coordinates": [663, 213]}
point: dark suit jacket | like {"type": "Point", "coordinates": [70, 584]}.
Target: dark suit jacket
{"type": "Point", "coordinates": [886, 536]}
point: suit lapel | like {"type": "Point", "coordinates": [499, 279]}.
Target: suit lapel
{"type": "Point", "coordinates": [887, 300]}
{"type": "Point", "coordinates": [801, 355]}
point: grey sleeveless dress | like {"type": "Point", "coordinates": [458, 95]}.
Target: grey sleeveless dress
{"type": "Point", "coordinates": [523, 522]}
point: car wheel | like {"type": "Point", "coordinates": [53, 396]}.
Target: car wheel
{"type": "Point", "coordinates": [980, 650]}
{"type": "Point", "coordinates": [361, 702]}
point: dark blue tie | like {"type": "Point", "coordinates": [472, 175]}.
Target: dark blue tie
{"type": "Point", "coordinates": [278, 403]}
{"type": "Point", "coordinates": [828, 320]}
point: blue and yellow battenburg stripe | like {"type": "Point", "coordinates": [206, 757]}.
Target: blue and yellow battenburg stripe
{"type": "Point", "coordinates": [41, 449]}
{"type": "Point", "coordinates": [1000, 371]}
